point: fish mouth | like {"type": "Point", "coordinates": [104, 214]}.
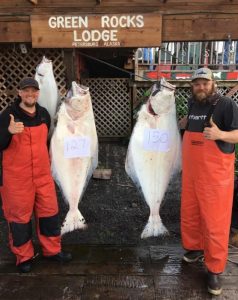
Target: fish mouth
{"type": "Point", "coordinates": [150, 109]}
{"type": "Point", "coordinates": [37, 72]}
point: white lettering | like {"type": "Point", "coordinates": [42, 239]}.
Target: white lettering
{"type": "Point", "coordinates": [113, 37]}
{"type": "Point", "coordinates": [84, 44]}
{"type": "Point", "coordinates": [131, 21]}
{"type": "Point", "coordinates": [52, 22]}
{"type": "Point", "coordinates": [114, 21]}
{"type": "Point", "coordinates": [60, 22]}
{"type": "Point", "coordinates": [105, 21]}
{"type": "Point", "coordinates": [123, 21]}
{"type": "Point", "coordinates": [112, 44]}
{"type": "Point", "coordinates": [83, 21]}
{"type": "Point", "coordinates": [140, 21]}
{"type": "Point", "coordinates": [86, 36]}
{"type": "Point", "coordinates": [68, 22]}
{"type": "Point", "coordinates": [95, 35]}
{"type": "Point", "coordinates": [74, 22]}
{"type": "Point", "coordinates": [194, 117]}
{"type": "Point", "coordinates": [76, 39]}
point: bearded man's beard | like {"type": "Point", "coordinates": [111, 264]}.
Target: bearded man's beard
{"type": "Point", "coordinates": [30, 105]}
{"type": "Point", "coordinates": [203, 96]}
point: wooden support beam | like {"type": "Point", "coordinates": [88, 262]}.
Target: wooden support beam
{"type": "Point", "coordinates": [15, 29]}
{"type": "Point", "coordinates": [69, 62]}
{"type": "Point", "coordinates": [199, 27]}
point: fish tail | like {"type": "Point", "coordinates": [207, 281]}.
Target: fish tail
{"type": "Point", "coordinates": [154, 227]}
{"type": "Point", "coordinates": [73, 220]}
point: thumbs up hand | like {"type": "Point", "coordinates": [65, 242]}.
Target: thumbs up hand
{"type": "Point", "coordinates": [15, 127]}
{"type": "Point", "coordinates": [213, 132]}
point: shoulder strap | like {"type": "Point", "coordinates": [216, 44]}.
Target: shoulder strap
{"type": "Point", "coordinates": [189, 111]}
{"type": "Point", "coordinates": [210, 112]}
{"type": "Point", "coordinates": [1, 175]}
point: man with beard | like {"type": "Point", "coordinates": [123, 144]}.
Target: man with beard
{"type": "Point", "coordinates": [208, 176]}
{"type": "Point", "coordinates": [26, 184]}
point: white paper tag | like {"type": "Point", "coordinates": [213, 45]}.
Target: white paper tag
{"type": "Point", "coordinates": [156, 140]}
{"type": "Point", "coordinates": [76, 146]}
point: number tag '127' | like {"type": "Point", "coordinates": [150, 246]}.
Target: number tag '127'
{"type": "Point", "coordinates": [156, 140]}
{"type": "Point", "coordinates": [76, 146]}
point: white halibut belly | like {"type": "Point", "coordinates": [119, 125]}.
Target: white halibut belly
{"type": "Point", "coordinates": [151, 170]}
{"type": "Point", "coordinates": [72, 174]}
{"type": "Point", "coordinates": [75, 121]}
{"type": "Point", "coordinates": [154, 152]}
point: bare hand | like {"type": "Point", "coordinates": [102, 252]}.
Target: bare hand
{"type": "Point", "coordinates": [183, 122]}
{"type": "Point", "coordinates": [15, 127]}
{"type": "Point", "coordinates": [213, 132]}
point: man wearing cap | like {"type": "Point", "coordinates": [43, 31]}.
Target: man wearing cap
{"type": "Point", "coordinates": [26, 183]}
{"type": "Point", "coordinates": [208, 176]}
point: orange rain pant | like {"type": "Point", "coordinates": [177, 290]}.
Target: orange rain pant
{"type": "Point", "coordinates": [29, 187]}
{"type": "Point", "coordinates": [206, 204]}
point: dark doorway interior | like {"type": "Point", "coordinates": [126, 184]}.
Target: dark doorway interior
{"type": "Point", "coordinates": [95, 68]}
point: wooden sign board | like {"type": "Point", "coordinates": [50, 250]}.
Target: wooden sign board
{"type": "Point", "coordinates": [92, 31]}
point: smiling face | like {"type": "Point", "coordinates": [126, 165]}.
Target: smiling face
{"type": "Point", "coordinates": [202, 89]}
{"type": "Point", "coordinates": [29, 96]}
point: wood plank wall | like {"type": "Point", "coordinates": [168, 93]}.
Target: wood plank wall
{"type": "Point", "coordinates": [182, 20]}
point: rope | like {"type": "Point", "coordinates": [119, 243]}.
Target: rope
{"type": "Point", "coordinates": [123, 70]}
{"type": "Point", "coordinates": [115, 67]}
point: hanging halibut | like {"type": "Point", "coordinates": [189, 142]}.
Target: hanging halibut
{"type": "Point", "coordinates": [74, 151]}
{"type": "Point", "coordinates": [49, 95]}
{"type": "Point", "coordinates": [154, 152]}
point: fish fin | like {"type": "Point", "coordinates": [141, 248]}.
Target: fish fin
{"type": "Point", "coordinates": [130, 169]}
{"type": "Point", "coordinates": [154, 228]}
{"type": "Point", "coordinates": [59, 101]}
{"type": "Point", "coordinates": [73, 220]}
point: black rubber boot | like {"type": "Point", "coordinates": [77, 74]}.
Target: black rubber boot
{"type": "Point", "coordinates": [193, 256]}
{"type": "Point", "coordinates": [60, 257]}
{"type": "Point", "coordinates": [25, 266]}
{"type": "Point", "coordinates": [214, 283]}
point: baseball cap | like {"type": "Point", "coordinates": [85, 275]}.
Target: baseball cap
{"type": "Point", "coordinates": [203, 73]}
{"type": "Point", "coordinates": [28, 82]}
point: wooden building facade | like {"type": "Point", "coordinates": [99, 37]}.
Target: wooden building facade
{"type": "Point", "coordinates": [181, 20]}
{"type": "Point", "coordinates": [78, 35]}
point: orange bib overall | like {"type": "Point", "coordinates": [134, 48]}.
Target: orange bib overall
{"type": "Point", "coordinates": [29, 187]}
{"type": "Point", "coordinates": [206, 204]}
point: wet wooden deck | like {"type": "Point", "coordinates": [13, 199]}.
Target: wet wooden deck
{"type": "Point", "coordinates": [113, 272]}
{"type": "Point", "coordinates": [110, 261]}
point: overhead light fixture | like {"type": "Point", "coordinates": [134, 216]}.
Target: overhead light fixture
{"type": "Point", "coordinates": [23, 48]}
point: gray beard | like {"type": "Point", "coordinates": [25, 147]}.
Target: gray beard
{"type": "Point", "coordinates": [203, 99]}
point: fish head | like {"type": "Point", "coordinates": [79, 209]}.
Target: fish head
{"type": "Point", "coordinates": [78, 96]}
{"type": "Point", "coordinates": [162, 99]}
{"type": "Point", "coordinates": [44, 68]}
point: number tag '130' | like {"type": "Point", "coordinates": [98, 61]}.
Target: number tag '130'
{"type": "Point", "coordinates": [156, 140]}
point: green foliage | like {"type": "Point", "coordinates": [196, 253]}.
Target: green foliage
{"type": "Point", "coordinates": [181, 107]}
